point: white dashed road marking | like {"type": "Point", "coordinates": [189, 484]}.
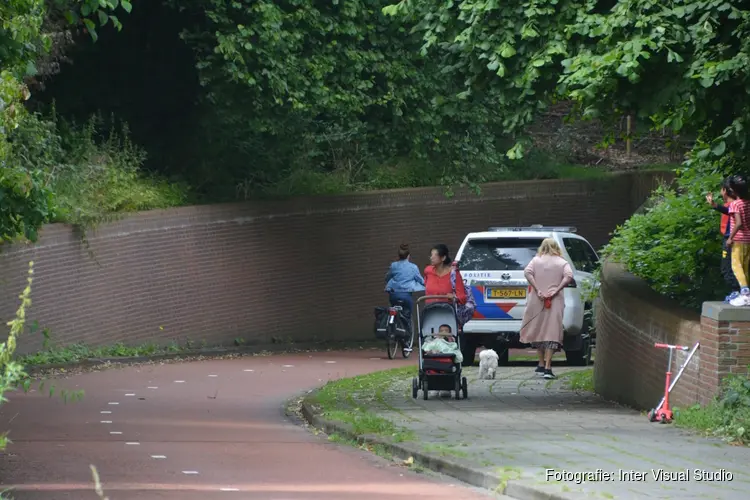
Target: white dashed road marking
{"type": "Point", "coordinates": [330, 362]}
{"type": "Point", "coordinates": [115, 432]}
{"type": "Point", "coordinates": [190, 472]}
{"type": "Point", "coordinates": [106, 422]}
{"type": "Point", "coordinates": [248, 370]}
{"type": "Point", "coordinates": [130, 394]}
{"type": "Point", "coordinates": [213, 375]}
{"type": "Point", "coordinates": [104, 412]}
{"type": "Point", "coordinates": [179, 381]}
{"type": "Point", "coordinates": [153, 387]}
{"type": "Point", "coordinates": [288, 366]}
{"type": "Point", "coordinates": [132, 443]}
{"type": "Point", "coordinates": [114, 403]}
{"type": "Point", "coordinates": [159, 457]}
{"type": "Point", "coordinates": [229, 489]}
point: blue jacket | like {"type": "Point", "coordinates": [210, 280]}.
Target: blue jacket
{"type": "Point", "coordinates": [403, 276]}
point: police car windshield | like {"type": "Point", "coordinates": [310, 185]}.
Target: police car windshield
{"type": "Point", "coordinates": [499, 254]}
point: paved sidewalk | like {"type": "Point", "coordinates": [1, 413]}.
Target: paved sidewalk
{"type": "Point", "coordinates": [519, 425]}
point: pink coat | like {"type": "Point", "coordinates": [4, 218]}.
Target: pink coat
{"type": "Point", "coordinates": [539, 324]}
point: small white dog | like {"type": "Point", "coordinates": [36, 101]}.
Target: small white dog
{"type": "Point", "coordinates": [487, 364]}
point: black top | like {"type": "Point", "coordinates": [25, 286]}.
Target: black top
{"type": "Point", "coordinates": [724, 210]}
{"type": "Point", "coordinates": [721, 208]}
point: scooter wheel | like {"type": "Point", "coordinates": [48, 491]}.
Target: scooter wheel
{"type": "Point", "coordinates": [652, 415]}
{"type": "Point", "coordinates": [663, 418]}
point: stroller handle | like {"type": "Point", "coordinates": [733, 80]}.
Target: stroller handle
{"type": "Point", "coordinates": [431, 297]}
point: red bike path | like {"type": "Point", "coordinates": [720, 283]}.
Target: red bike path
{"type": "Point", "coordinates": [199, 430]}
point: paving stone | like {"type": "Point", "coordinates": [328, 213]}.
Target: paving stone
{"type": "Point", "coordinates": [521, 422]}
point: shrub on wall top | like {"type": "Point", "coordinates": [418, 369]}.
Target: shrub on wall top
{"type": "Point", "coordinates": [675, 245]}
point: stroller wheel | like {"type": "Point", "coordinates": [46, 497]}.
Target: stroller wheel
{"type": "Point", "coordinates": [465, 387]}
{"type": "Point", "coordinates": [425, 390]}
{"type": "Point", "coordinates": [414, 387]}
{"type": "Point", "coordinates": [458, 388]}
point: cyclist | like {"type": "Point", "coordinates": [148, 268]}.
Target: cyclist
{"type": "Point", "coordinates": [402, 279]}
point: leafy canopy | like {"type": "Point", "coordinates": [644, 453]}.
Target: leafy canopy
{"type": "Point", "coordinates": [302, 81]}
{"type": "Point", "coordinates": [26, 202]}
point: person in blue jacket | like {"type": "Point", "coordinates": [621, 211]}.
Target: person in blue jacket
{"type": "Point", "coordinates": [402, 279]}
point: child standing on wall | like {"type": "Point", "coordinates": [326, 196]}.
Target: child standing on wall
{"type": "Point", "coordinates": [739, 238]}
{"type": "Point", "coordinates": [726, 259]}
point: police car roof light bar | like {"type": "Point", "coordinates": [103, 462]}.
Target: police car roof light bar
{"type": "Point", "coordinates": [537, 227]}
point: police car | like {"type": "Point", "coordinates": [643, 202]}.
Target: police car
{"type": "Point", "coordinates": [492, 264]}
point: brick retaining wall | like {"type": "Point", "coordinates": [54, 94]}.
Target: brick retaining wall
{"type": "Point", "coordinates": [631, 318]}
{"type": "Point", "coordinates": [304, 269]}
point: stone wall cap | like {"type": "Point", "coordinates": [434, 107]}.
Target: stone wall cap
{"type": "Point", "coordinates": [720, 311]}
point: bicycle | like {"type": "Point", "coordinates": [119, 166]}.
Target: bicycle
{"type": "Point", "coordinates": [393, 339]}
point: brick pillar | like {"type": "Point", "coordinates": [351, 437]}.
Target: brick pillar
{"type": "Point", "coordinates": [725, 346]}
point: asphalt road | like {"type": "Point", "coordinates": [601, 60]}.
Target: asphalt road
{"type": "Point", "coordinates": [200, 430]}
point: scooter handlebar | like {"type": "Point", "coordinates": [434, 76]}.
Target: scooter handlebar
{"type": "Point", "coordinates": [668, 346]}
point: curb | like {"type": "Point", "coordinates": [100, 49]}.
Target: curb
{"type": "Point", "coordinates": [515, 489]}
{"type": "Point", "coordinates": [204, 353]}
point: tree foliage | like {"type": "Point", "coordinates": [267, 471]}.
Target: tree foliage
{"type": "Point", "coordinates": [26, 202]}
{"type": "Point", "coordinates": [333, 85]}
{"type": "Point", "coordinates": [681, 64]}
{"type": "Point", "coordinates": [686, 66]}
{"type": "Point", "coordinates": [514, 49]}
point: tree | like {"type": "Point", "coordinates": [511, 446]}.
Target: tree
{"type": "Point", "coordinates": [682, 65]}
{"type": "Point", "coordinates": [25, 200]}
{"type": "Point", "coordinates": [512, 49]}
{"type": "Point", "coordinates": [294, 81]}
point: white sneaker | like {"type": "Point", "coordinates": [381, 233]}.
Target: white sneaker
{"type": "Point", "coordinates": [741, 301]}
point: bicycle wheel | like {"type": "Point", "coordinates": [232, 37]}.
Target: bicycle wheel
{"type": "Point", "coordinates": [407, 345]}
{"type": "Point", "coordinates": [391, 342]}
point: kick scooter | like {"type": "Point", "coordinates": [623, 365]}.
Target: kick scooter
{"type": "Point", "coordinates": [663, 413]}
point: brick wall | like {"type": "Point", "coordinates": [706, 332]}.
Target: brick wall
{"type": "Point", "coordinates": [725, 345]}
{"type": "Point", "coordinates": [631, 318]}
{"type": "Point", "coordinates": [304, 269]}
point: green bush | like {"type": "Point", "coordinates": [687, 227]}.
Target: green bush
{"type": "Point", "coordinates": [675, 244]}
{"type": "Point", "coordinates": [412, 172]}
{"type": "Point", "coordinates": [92, 175]}
{"type": "Point", "coordinates": [728, 416]}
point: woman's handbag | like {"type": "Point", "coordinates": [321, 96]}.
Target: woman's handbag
{"type": "Point", "coordinates": [464, 312]}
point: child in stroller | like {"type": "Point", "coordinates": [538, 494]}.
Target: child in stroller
{"type": "Point", "coordinates": [439, 351]}
{"type": "Point", "coordinates": [443, 343]}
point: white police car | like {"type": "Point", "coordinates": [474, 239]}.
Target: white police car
{"type": "Point", "coordinates": [492, 264]}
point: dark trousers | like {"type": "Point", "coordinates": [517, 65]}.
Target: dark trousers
{"type": "Point", "coordinates": [726, 267]}
{"type": "Point", "coordinates": [408, 303]}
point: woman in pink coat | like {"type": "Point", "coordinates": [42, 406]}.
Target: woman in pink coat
{"type": "Point", "coordinates": [548, 274]}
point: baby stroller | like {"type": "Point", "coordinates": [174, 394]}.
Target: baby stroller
{"type": "Point", "coordinates": [438, 372]}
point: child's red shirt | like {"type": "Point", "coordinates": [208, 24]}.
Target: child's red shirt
{"type": "Point", "coordinates": [741, 207]}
